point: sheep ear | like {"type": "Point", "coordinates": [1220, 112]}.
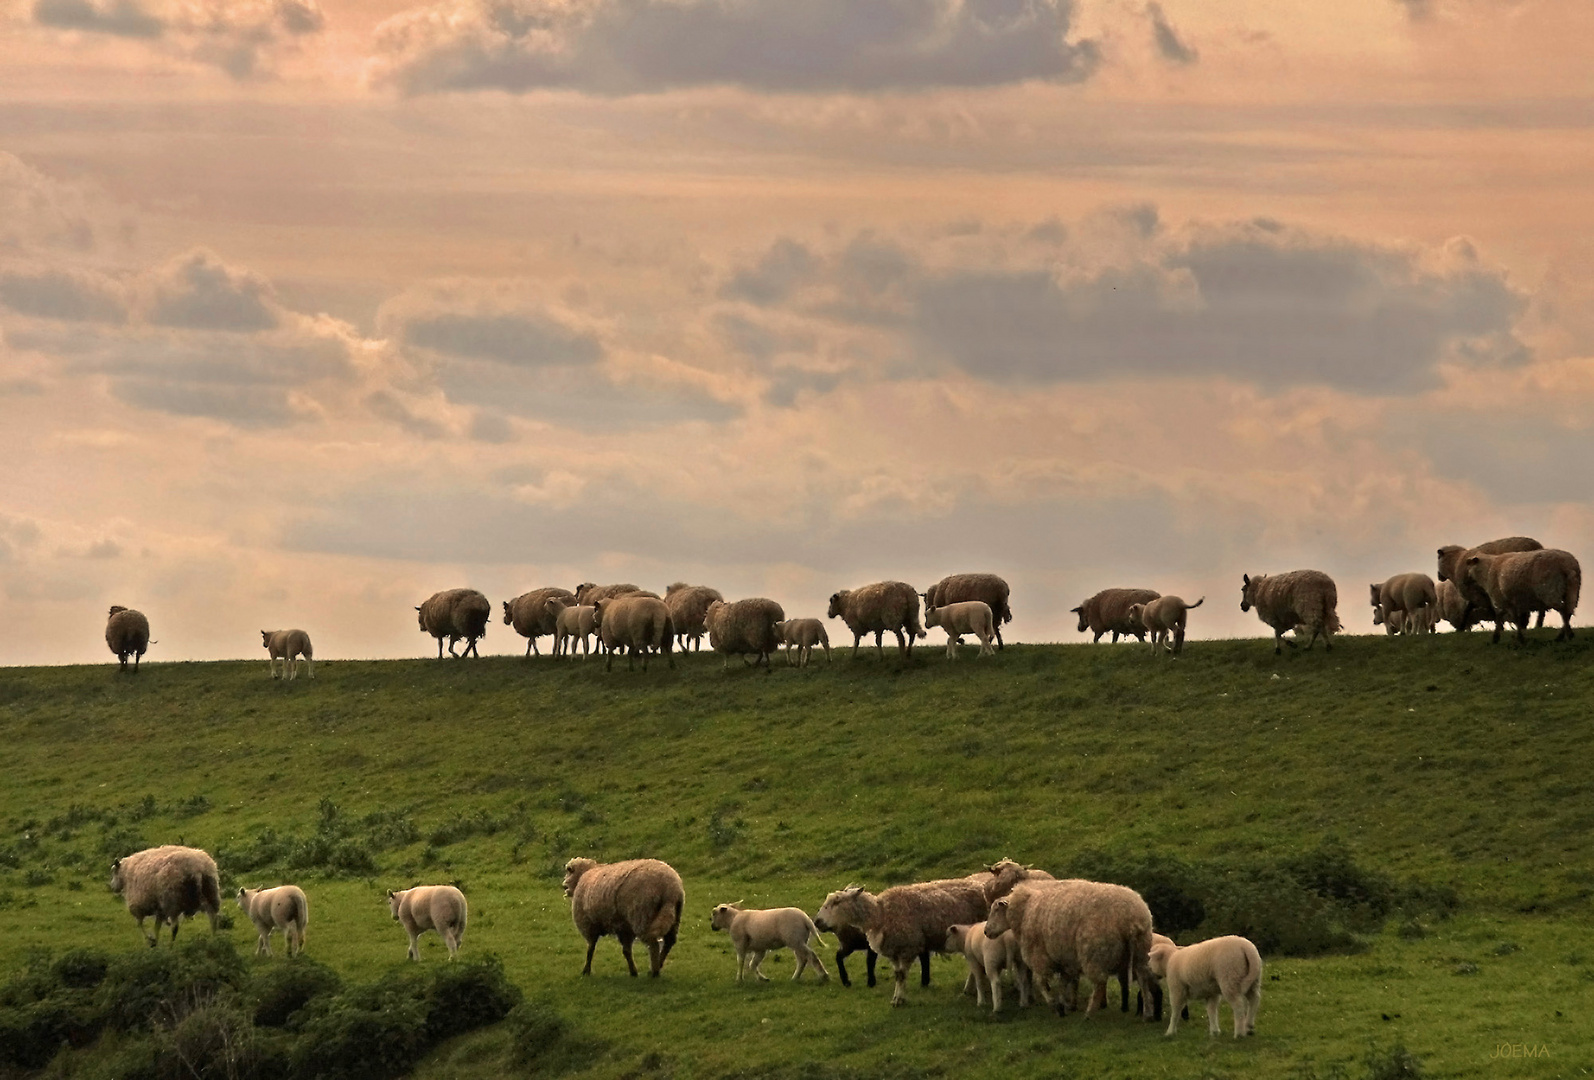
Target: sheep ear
{"type": "Point", "coordinates": [1245, 579]}
{"type": "Point", "coordinates": [1076, 610]}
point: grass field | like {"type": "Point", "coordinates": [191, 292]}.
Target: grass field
{"type": "Point", "coordinates": [1403, 825]}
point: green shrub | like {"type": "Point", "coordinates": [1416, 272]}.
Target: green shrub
{"type": "Point", "coordinates": [1393, 1063]}
{"type": "Point", "coordinates": [466, 995]}
{"type": "Point", "coordinates": [151, 986]}
{"type": "Point", "coordinates": [283, 989]}
{"type": "Point", "coordinates": [373, 1031]}
{"type": "Point", "coordinates": [544, 1043]}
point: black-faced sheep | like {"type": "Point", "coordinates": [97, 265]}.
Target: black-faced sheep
{"type": "Point", "coordinates": [1404, 604]}
{"type": "Point", "coordinates": [127, 634]}
{"type": "Point", "coordinates": [430, 907]}
{"type": "Point", "coordinates": [1452, 565]}
{"type": "Point", "coordinates": [987, 588]}
{"type": "Point", "coordinates": [1222, 969]}
{"type": "Point", "coordinates": [572, 622]}
{"type": "Point", "coordinates": [1523, 582]}
{"type": "Point", "coordinates": [288, 646]}
{"type": "Point", "coordinates": [802, 635]}
{"type": "Point", "coordinates": [987, 959]}
{"type": "Point", "coordinates": [1301, 600]}
{"type": "Point", "coordinates": [639, 898]}
{"type": "Point", "coordinates": [877, 608]}
{"type": "Point", "coordinates": [905, 921]}
{"type": "Point", "coordinates": [170, 882]}
{"type": "Point", "coordinates": [744, 628]}
{"type": "Point", "coordinates": [1164, 619]}
{"type": "Point", "coordinates": [754, 933]}
{"type": "Point", "coordinates": [966, 617]}
{"type": "Point", "coordinates": [638, 624]}
{"type": "Point", "coordinates": [688, 605]}
{"type": "Point", "coordinates": [456, 614]}
{"type": "Point", "coordinates": [531, 616]}
{"type": "Point", "coordinates": [1108, 612]}
{"type": "Point", "coordinates": [283, 908]}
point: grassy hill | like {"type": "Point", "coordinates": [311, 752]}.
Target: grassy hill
{"type": "Point", "coordinates": [1402, 825]}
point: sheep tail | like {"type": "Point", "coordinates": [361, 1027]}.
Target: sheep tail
{"type": "Point", "coordinates": [1574, 585]}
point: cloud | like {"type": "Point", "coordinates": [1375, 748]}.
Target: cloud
{"type": "Point", "coordinates": [122, 18]}
{"type": "Point", "coordinates": [1169, 45]}
{"type": "Point", "coordinates": [528, 340]}
{"type": "Point", "coordinates": [645, 46]}
{"type": "Point", "coordinates": [71, 296]}
{"type": "Point", "coordinates": [38, 212]}
{"type": "Point", "coordinates": [241, 37]}
{"type": "Point", "coordinates": [200, 292]}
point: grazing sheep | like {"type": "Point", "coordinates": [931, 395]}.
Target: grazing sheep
{"type": "Point", "coordinates": [1453, 565]}
{"type": "Point", "coordinates": [588, 593]}
{"type": "Point", "coordinates": [127, 633]}
{"type": "Point", "coordinates": [905, 921]}
{"type": "Point", "coordinates": [743, 628]}
{"type": "Point", "coordinates": [169, 882]}
{"type": "Point", "coordinates": [1006, 875]}
{"type": "Point", "coordinates": [1520, 583]}
{"type": "Point", "coordinates": [754, 933]}
{"type": "Point", "coordinates": [1404, 604]}
{"type": "Point", "coordinates": [989, 588]}
{"type": "Point", "coordinates": [456, 614]}
{"type": "Point", "coordinates": [1156, 939]}
{"type": "Point", "coordinates": [1301, 600]}
{"type": "Point", "coordinates": [1108, 612]}
{"type": "Point", "coordinates": [287, 646]}
{"type": "Point", "coordinates": [636, 624]}
{"type": "Point", "coordinates": [640, 898]}
{"type": "Point", "coordinates": [430, 907]}
{"type": "Point", "coordinates": [987, 959]}
{"type": "Point", "coordinates": [531, 616]}
{"type": "Point", "coordinates": [1452, 606]}
{"type": "Point", "coordinates": [1222, 969]}
{"type": "Point", "coordinates": [966, 617]}
{"type": "Point", "coordinates": [571, 621]}
{"type": "Point", "coordinates": [688, 604]}
{"type": "Point", "coordinates": [804, 634]}
{"type": "Point", "coordinates": [885, 605]}
{"type": "Point", "coordinates": [1164, 619]}
{"type": "Point", "coordinates": [283, 908]}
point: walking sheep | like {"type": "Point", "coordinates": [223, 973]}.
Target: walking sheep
{"type": "Point", "coordinates": [1222, 969]}
{"type": "Point", "coordinates": [572, 621]}
{"type": "Point", "coordinates": [1006, 875]}
{"type": "Point", "coordinates": [127, 634]}
{"type": "Point", "coordinates": [1523, 582]}
{"type": "Point", "coordinates": [283, 908]}
{"type": "Point", "coordinates": [1164, 619]}
{"type": "Point", "coordinates": [640, 898]}
{"type": "Point", "coordinates": [1404, 604]}
{"type": "Point", "coordinates": [967, 617]}
{"type": "Point", "coordinates": [287, 646]}
{"type": "Point", "coordinates": [1108, 612]}
{"type": "Point", "coordinates": [1301, 600]}
{"type": "Point", "coordinates": [531, 616]}
{"type": "Point", "coordinates": [877, 608]}
{"type": "Point", "coordinates": [688, 604]}
{"type": "Point", "coordinates": [987, 959]}
{"type": "Point", "coordinates": [1453, 566]}
{"type": "Point", "coordinates": [456, 614]}
{"type": "Point", "coordinates": [746, 627]}
{"type": "Point", "coordinates": [904, 921]}
{"type": "Point", "coordinates": [988, 588]}
{"type": "Point", "coordinates": [588, 593]}
{"type": "Point", "coordinates": [754, 933]}
{"type": "Point", "coordinates": [430, 907]}
{"type": "Point", "coordinates": [170, 882]}
{"type": "Point", "coordinates": [803, 634]}
{"type": "Point", "coordinates": [636, 624]}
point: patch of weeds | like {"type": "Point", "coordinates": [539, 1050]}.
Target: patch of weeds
{"type": "Point", "coordinates": [1464, 967]}
{"type": "Point", "coordinates": [1411, 930]}
{"type": "Point", "coordinates": [722, 833]}
{"type": "Point", "coordinates": [41, 875]}
{"type": "Point", "coordinates": [1506, 948]}
{"type": "Point", "coordinates": [1392, 1063]}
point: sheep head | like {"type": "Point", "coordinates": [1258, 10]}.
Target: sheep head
{"type": "Point", "coordinates": [720, 918]}
{"type": "Point", "coordinates": [999, 921]}
{"type": "Point", "coordinates": [573, 871]}
{"type": "Point", "coordinates": [836, 600]}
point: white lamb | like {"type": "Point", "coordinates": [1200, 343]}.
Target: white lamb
{"type": "Point", "coordinates": [283, 908]}
{"type": "Point", "coordinates": [988, 958]}
{"type": "Point", "coordinates": [753, 933]}
{"type": "Point", "coordinates": [968, 617]}
{"type": "Point", "coordinates": [1221, 969]}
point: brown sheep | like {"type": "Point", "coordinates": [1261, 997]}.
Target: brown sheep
{"type": "Point", "coordinates": [127, 634]}
{"type": "Point", "coordinates": [1300, 600]}
{"type": "Point", "coordinates": [456, 614]}
{"type": "Point", "coordinates": [1108, 612]}
{"type": "Point", "coordinates": [588, 593]}
{"type": "Point", "coordinates": [169, 882]}
{"type": "Point", "coordinates": [1404, 604]}
{"type": "Point", "coordinates": [905, 921]}
{"type": "Point", "coordinates": [1520, 583]}
{"type": "Point", "coordinates": [746, 627]}
{"type": "Point", "coordinates": [1453, 565]}
{"type": "Point", "coordinates": [637, 624]}
{"type": "Point", "coordinates": [640, 898]}
{"type": "Point", "coordinates": [988, 588]}
{"type": "Point", "coordinates": [883, 606]}
{"type": "Point", "coordinates": [528, 613]}
{"type": "Point", "coordinates": [688, 604]}
{"type": "Point", "coordinates": [1452, 606]}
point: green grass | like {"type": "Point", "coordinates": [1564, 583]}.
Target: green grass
{"type": "Point", "coordinates": [1437, 770]}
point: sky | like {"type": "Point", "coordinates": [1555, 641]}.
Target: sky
{"type": "Point", "coordinates": [308, 310]}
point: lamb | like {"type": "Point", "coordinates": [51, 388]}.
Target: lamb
{"type": "Point", "coordinates": [905, 921]}
{"type": "Point", "coordinates": [744, 627]}
{"type": "Point", "coordinates": [957, 588]}
{"type": "Point", "coordinates": [753, 933]}
{"type": "Point", "coordinates": [885, 605]}
{"type": "Point", "coordinates": [571, 621]}
{"type": "Point", "coordinates": [1452, 606]}
{"type": "Point", "coordinates": [1164, 619]}
{"type": "Point", "coordinates": [430, 907]}
{"type": "Point", "coordinates": [987, 959]}
{"type": "Point", "coordinates": [531, 616]}
{"type": "Point", "coordinates": [1453, 565]}
{"type": "Point", "coordinates": [168, 882]}
{"type": "Point", "coordinates": [1108, 611]}
{"type": "Point", "coordinates": [1225, 968]}
{"type": "Point", "coordinates": [966, 617]}
{"type": "Point", "coordinates": [1404, 604]}
{"type": "Point", "coordinates": [634, 623]}
{"type": "Point", "coordinates": [804, 634]}
{"type": "Point", "coordinates": [127, 634]}
{"type": "Point", "coordinates": [283, 908]}
{"type": "Point", "coordinates": [688, 604]}
{"type": "Point", "coordinates": [287, 646]}
{"type": "Point", "coordinates": [639, 898]}
{"type": "Point", "coordinates": [1301, 600]}
{"type": "Point", "coordinates": [1523, 582]}
{"type": "Point", "coordinates": [456, 614]}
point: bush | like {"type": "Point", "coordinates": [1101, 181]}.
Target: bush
{"type": "Point", "coordinates": [215, 1038]}
{"type": "Point", "coordinates": [373, 1031]}
{"type": "Point", "coordinates": [151, 985]}
{"type": "Point", "coordinates": [466, 995]}
{"type": "Point", "coordinates": [1394, 1063]}
{"type": "Point", "coordinates": [282, 990]}
{"type": "Point", "coordinates": [543, 1042]}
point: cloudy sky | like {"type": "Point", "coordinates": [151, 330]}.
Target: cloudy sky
{"type": "Point", "coordinates": [308, 309]}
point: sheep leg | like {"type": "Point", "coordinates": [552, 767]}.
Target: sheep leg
{"type": "Point", "coordinates": [856, 639]}
{"type": "Point", "coordinates": [899, 975]}
{"type": "Point", "coordinates": [1175, 1007]}
{"type": "Point", "coordinates": [814, 961]}
{"type": "Point", "coordinates": [924, 968]}
{"type": "Point", "coordinates": [141, 930]}
{"type": "Point", "coordinates": [902, 643]}
{"type": "Point", "coordinates": [655, 958]}
{"type": "Point", "coordinates": [994, 982]}
{"type": "Point", "coordinates": [263, 946]}
{"type": "Point", "coordinates": [669, 943]}
{"type": "Point", "coordinates": [841, 965]}
{"type": "Point", "coordinates": [592, 944]}
{"type": "Point", "coordinates": [870, 959]}
{"type": "Point", "coordinates": [758, 965]}
{"type": "Point", "coordinates": [626, 938]}
{"type": "Point", "coordinates": [439, 648]}
{"type": "Point", "coordinates": [532, 641]}
{"type": "Point", "coordinates": [879, 637]}
{"type": "Point", "coordinates": [1214, 1020]}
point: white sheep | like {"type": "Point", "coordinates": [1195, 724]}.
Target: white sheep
{"type": "Point", "coordinates": [572, 622]}
{"type": "Point", "coordinates": [168, 882]}
{"type": "Point", "coordinates": [803, 634]}
{"type": "Point", "coordinates": [430, 907]}
{"type": "Point", "coordinates": [754, 933]}
{"type": "Point", "coordinates": [288, 646]}
{"type": "Point", "coordinates": [1405, 604]}
{"type": "Point", "coordinates": [637, 898]}
{"type": "Point", "coordinates": [987, 959]}
{"type": "Point", "coordinates": [283, 908]}
{"type": "Point", "coordinates": [1222, 969]}
{"type": "Point", "coordinates": [966, 617]}
{"type": "Point", "coordinates": [1164, 619]}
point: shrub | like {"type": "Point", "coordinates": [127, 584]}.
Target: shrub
{"type": "Point", "coordinates": [542, 1041]}
{"type": "Point", "coordinates": [1394, 1063]}
{"type": "Point", "coordinates": [283, 989]}
{"type": "Point", "coordinates": [466, 995]}
{"type": "Point", "coordinates": [373, 1031]}
{"type": "Point", "coordinates": [143, 987]}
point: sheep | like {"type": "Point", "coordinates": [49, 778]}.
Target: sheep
{"type": "Point", "coordinates": [987, 959]}
{"type": "Point", "coordinates": [588, 593]}
{"type": "Point", "coordinates": [966, 617]}
{"type": "Point", "coordinates": [287, 646]}
{"type": "Point", "coordinates": [1072, 928]}
{"type": "Point", "coordinates": [1452, 605]}
{"type": "Point", "coordinates": [885, 605]}
{"type": "Point", "coordinates": [1225, 968]}
{"type": "Point", "coordinates": [1301, 600]}
{"type": "Point", "coordinates": [571, 621]}
{"type": "Point", "coordinates": [1007, 874]}
{"type": "Point", "coordinates": [1452, 565]}
{"type": "Point", "coordinates": [1108, 611]}
{"type": "Point", "coordinates": [531, 616]}
{"type": "Point", "coordinates": [989, 588]}
{"type": "Point", "coordinates": [127, 634]}
{"type": "Point", "coordinates": [688, 604]}
{"type": "Point", "coordinates": [168, 882]}
{"type": "Point", "coordinates": [804, 634]}
{"type": "Point", "coordinates": [639, 898]}
{"type": "Point", "coordinates": [850, 939]}
{"type": "Point", "coordinates": [1523, 582]}
{"type": "Point", "coordinates": [430, 907]}
{"type": "Point", "coordinates": [744, 627]}
{"type": "Point", "coordinates": [905, 921]}
{"type": "Point", "coordinates": [283, 908]}
{"type": "Point", "coordinates": [1164, 619]}
{"type": "Point", "coordinates": [1404, 604]}
{"type": "Point", "coordinates": [753, 933]}
{"type": "Point", "coordinates": [636, 624]}
{"type": "Point", "coordinates": [456, 614]}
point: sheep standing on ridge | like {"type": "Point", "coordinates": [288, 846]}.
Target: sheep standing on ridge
{"type": "Point", "coordinates": [283, 908]}
{"type": "Point", "coordinates": [638, 624]}
{"type": "Point", "coordinates": [1301, 600]}
{"type": "Point", "coordinates": [169, 882]}
{"type": "Point", "coordinates": [430, 907]}
{"type": "Point", "coordinates": [1108, 612]}
{"type": "Point", "coordinates": [754, 933]}
{"type": "Point", "coordinates": [640, 898]}
{"type": "Point", "coordinates": [287, 646]}
{"type": "Point", "coordinates": [746, 627]}
{"type": "Point", "coordinates": [966, 617]}
{"type": "Point", "coordinates": [987, 588]}
{"type": "Point", "coordinates": [1404, 604]}
{"type": "Point", "coordinates": [1452, 606]}
{"type": "Point", "coordinates": [1453, 567]}
{"type": "Point", "coordinates": [588, 593]}
{"type": "Point", "coordinates": [1222, 969]}
{"type": "Point", "coordinates": [127, 634]}
{"type": "Point", "coordinates": [877, 608]}
{"type": "Point", "coordinates": [904, 921]}
{"type": "Point", "coordinates": [1164, 619]}
{"type": "Point", "coordinates": [803, 635]}
{"type": "Point", "coordinates": [572, 621]}
{"type": "Point", "coordinates": [456, 614]}
{"type": "Point", "coordinates": [688, 605]}
{"type": "Point", "coordinates": [531, 617]}
{"type": "Point", "coordinates": [1520, 583]}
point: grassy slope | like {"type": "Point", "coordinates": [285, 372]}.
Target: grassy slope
{"type": "Point", "coordinates": [1443, 759]}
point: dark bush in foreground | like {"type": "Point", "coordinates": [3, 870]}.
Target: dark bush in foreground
{"type": "Point", "coordinates": [280, 991]}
